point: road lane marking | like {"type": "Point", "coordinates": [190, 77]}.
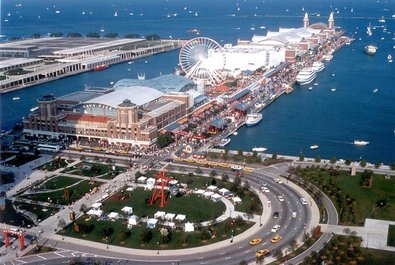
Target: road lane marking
{"type": "Point", "coordinates": [59, 254]}
{"type": "Point", "coordinates": [222, 253]}
{"type": "Point", "coordinates": [200, 258]}
{"type": "Point", "coordinates": [41, 257]}
{"type": "Point", "coordinates": [228, 257]}
{"type": "Point", "coordinates": [240, 247]}
{"type": "Point", "coordinates": [247, 251]}
{"type": "Point", "coordinates": [22, 261]}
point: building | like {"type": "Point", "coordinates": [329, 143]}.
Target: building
{"type": "Point", "coordinates": [124, 115]}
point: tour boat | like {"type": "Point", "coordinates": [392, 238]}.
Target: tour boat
{"type": "Point", "coordinates": [253, 119]}
{"type": "Point", "coordinates": [359, 142]}
{"type": "Point", "coordinates": [16, 98]}
{"type": "Point", "coordinates": [306, 76]}
{"type": "Point", "coordinates": [318, 66]}
{"type": "Point", "coordinates": [259, 149]}
{"type": "Point", "coordinates": [389, 58]}
{"type": "Point", "coordinates": [34, 109]}
{"type": "Point", "coordinates": [224, 142]}
{"type": "Point", "coordinates": [100, 67]}
{"type": "Point", "coordinates": [370, 49]}
{"type": "Point", "coordinates": [314, 146]}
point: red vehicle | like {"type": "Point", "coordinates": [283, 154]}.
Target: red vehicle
{"type": "Point", "coordinates": [100, 67]}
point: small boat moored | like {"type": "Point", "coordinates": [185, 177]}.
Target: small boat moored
{"type": "Point", "coordinates": [224, 142]}
{"type": "Point", "coordinates": [370, 49]}
{"type": "Point", "coordinates": [359, 142]}
{"type": "Point", "coordinates": [314, 146]}
{"type": "Point", "coordinates": [16, 98]}
{"type": "Point", "coordinates": [259, 149]}
{"type": "Point", "coordinates": [100, 67]}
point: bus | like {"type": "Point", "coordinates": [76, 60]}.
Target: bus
{"type": "Point", "coordinates": [48, 147]}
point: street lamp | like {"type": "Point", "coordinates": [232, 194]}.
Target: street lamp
{"type": "Point", "coordinates": [157, 243]}
{"type": "Point", "coordinates": [231, 239]}
{"type": "Point", "coordinates": [107, 242]}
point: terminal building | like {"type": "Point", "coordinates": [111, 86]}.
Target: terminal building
{"type": "Point", "coordinates": [275, 47]}
{"type": "Point", "coordinates": [129, 114]}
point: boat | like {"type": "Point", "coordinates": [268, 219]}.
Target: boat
{"type": "Point", "coordinates": [382, 20]}
{"type": "Point", "coordinates": [57, 12]}
{"type": "Point", "coordinates": [310, 88]}
{"type": "Point", "coordinates": [314, 146]}
{"type": "Point", "coordinates": [258, 105]}
{"type": "Point", "coordinates": [224, 142]}
{"type": "Point", "coordinates": [306, 76]}
{"type": "Point", "coordinates": [115, 14]}
{"type": "Point", "coordinates": [259, 149]}
{"type": "Point", "coordinates": [359, 142]}
{"type": "Point", "coordinates": [100, 67]}
{"type": "Point", "coordinates": [16, 98]}
{"type": "Point", "coordinates": [318, 66]}
{"type": "Point", "coordinates": [34, 109]}
{"type": "Point", "coordinates": [253, 118]}
{"type": "Point", "coordinates": [328, 57]}
{"type": "Point", "coordinates": [375, 90]}
{"type": "Point", "coordinates": [333, 89]}
{"type": "Point", "coordinates": [235, 133]}
{"type": "Point", "coordinates": [389, 58]}
{"type": "Point", "coordinates": [370, 49]}
{"type": "Point", "coordinates": [369, 30]}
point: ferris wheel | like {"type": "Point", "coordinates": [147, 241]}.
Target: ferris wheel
{"type": "Point", "coordinates": [202, 59]}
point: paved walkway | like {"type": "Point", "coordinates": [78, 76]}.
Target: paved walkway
{"type": "Point", "coordinates": [374, 233]}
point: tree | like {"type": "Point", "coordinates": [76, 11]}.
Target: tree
{"type": "Point", "coordinates": [301, 157]}
{"type": "Point", "coordinates": [347, 162]}
{"type": "Point", "coordinates": [132, 36]}
{"type": "Point", "coordinates": [237, 180]}
{"type": "Point", "coordinates": [333, 160]}
{"type": "Point", "coordinates": [61, 223]}
{"type": "Point", "coordinates": [164, 140]}
{"type": "Point", "coordinates": [92, 35]}
{"type": "Point", "coordinates": [198, 170]}
{"type": "Point", "coordinates": [213, 173]}
{"type": "Point", "coordinates": [392, 166]}
{"type": "Point", "coordinates": [362, 163]}
{"type": "Point", "coordinates": [74, 35]}
{"type": "Point", "coordinates": [84, 208]}
{"type": "Point", "coordinates": [145, 235]}
{"type": "Point", "coordinates": [274, 156]}
{"type": "Point", "coordinates": [239, 152]}
{"type": "Point", "coordinates": [36, 35]}
{"type": "Point", "coordinates": [152, 37]}
{"type": "Point", "coordinates": [111, 35]}
{"type": "Point", "coordinates": [122, 236]}
{"type": "Point", "coordinates": [56, 34]}
{"type": "Point", "coordinates": [278, 254]}
{"type": "Point", "coordinates": [225, 177]}
{"type": "Point", "coordinates": [293, 244]}
{"type": "Point", "coordinates": [317, 159]}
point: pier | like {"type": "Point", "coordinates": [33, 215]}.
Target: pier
{"type": "Point", "coordinates": [69, 56]}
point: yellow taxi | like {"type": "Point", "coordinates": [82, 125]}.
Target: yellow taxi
{"type": "Point", "coordinates": [177, 159]}
{"type": "Point", "coordinates": [255, 241]}
{"type": "Point", "coordinates": [262, 253]}
{"type": "Point", "coordinates": [212, 163]}
{"type": "Point", "coordinates": [201, 162]}
{"type": "Point", "coordinates": [276, 239]}
{"type": "Point", "coordinates": [248, 169]}
{"type": "Point", "coordinates": [97, 148]}
{"type": "Point", "coordinates": [225, 165]}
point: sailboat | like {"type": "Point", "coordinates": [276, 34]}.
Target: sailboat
{"type": "Point", "coordinates": [369, 30]}
{"type": "Point", "coordinates": [115, 14]}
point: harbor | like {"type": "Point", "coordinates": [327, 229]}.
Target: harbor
{"type": "Point", "coordinates": [47, 59]}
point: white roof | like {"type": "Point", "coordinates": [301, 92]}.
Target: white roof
{"type": "Point", "coordinates": [212, 187]}
{"type": "Point", "coordinates": [189, 227]}
{"type": "Point", "coordinates": [142, 178]}
{"type": "Point", "coordinates": [95, 212]}
{"type": "Point", "coordinates": [181, 217]}
{"type": "Point", "coordinates": [127, 209]}
{"type": "Point", "coordinates": [199, 191]}
{"type": "Point", "coordinates": [96, 205]}
{"type": "Point", "coordinates": [133, 219]}
{"type": "Point", "coordinates": [113, 215]}
{"type": "Point", "coordinates": [208, 193]}
{"type": "Point", "coordinates": [159, 214]}
{"type": "Point", "coordinates": [170, 216]}
{"type": "Point", "coordinates": [223, 190]}
{"type": "Point", "coordinates": [138, 95]}
{"type": "Point", "coordinates": [152, 221]}
{"type": "Point", "coordinates": [236, 199]}
{"type": "Point", "coordinates": [151, 180]}
{"type": "Point", "coordinates": [216, 196]}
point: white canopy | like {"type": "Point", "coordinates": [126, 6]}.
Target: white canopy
{"type": "Point", "coordinates": [216, 197]}
{"type": "Point", "coordinates": [170, 216]}
{"type": "Point", "coordinates": [181, 217]}
{"type": "Point", "coordinates": [236, 199]}
{"type": "Point", "coordinates": [98, 213]}
{"type": "Point", "coordinates": [151, 223]}
{"type": "Point", "coordinates": [189, 227]}
{"type": "Point", "coordinates": [199, 191]}
{"type": "Point", "coordinates": [142, 179]}
{"type": "Point", "coordinates": [212, 188]}
{"type": "Point", "coordinates": [223, 191]}
{"type": "Point", "coordinates": [113, 215]}
{"type": "Point", "coordinates": [133, 220]}
{"type": "Point", "coordinates": [159, 214]}
{"type": "Point", "coordinates": [208, 194]}
{"type": "Point", "coordinates": [127, 210]}
{"type": "Point", "coordinates": [96, 205]}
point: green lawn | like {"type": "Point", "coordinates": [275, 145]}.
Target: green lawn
{"type": "Point", "coordinates": [377, 257]}
{"type": "Point", "coordinates": [391, 236]}
{"type": "Point", "coordinates": [93, 170]}
{"type": "Point", "coordinates": [37, 209]}
{"type": "Point", "coordinates": [75, 193]}
{"type": "Point", "coordinates": [360, 201]}
{"type": "Point", "coordinates": [177, 237]}
{"type": "Point", "coordinates": [55, 164]}
{"type": "Point", "coordinates": [59, 182]}
{"type": "Point", "coordinates": [196, 209]}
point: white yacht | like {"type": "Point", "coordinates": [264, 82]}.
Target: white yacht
{"type": "Point", "coordinates": [306, 76]}
{"type": "Point", "coordinates": [359, 142]}
{"type": "Point", "coordinates": [259, 149]}
{"type": "Point", "coordinates": [253, 119]}
{"type": "Point", "coordinates": [318, 66]}
{"type": "Point", "coordinates": [314, 146]}
{"type": "Point", "coordinates": [224, 142]}
{"type": "Point", "coordinates": [328, 57]}
{"type": "Point", "coordinates": [389, 58]}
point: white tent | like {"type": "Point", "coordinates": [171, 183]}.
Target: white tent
{"type": "Point", "coordinates": [224, 192]}
{"type": "Point", "coordinates": [170, 216]}
{"type": "Point", "coordinates": [128, 210]}
{"type": "Point", "coordinates": [216, 197]}
{"type": "Point", "coordinates": [189, 227]}
{"type": "Point", "coordinates": [97, 213]}
{"type": "Point", "coordinates": [212, 188]}
{"type": "Point", "coordinates": [96, 205]}
{"type": "Point", "coordinates": [150, 183]}
{"type": "Point", "coordinates": [133, 220]}
{"type": "Point", "coordinates": [113, 215]}
{"type": "Point", "coordinates": [181, 217]}
{"type": "Point", "coordinates": [199, 191]}
{"type": "Point", "coordinates": [159, 214]}
{"type": "Point", "coordinates": [236, 200]}
{"type": "Point", "coordinates": [208, 194]}
{"type": "Point", "coordinates": [141, 179]}
{"type": "Point", "coordinates": [151, 223]}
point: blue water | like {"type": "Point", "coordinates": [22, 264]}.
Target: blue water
{"type": "Point", "coordinates": [332, 120]}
